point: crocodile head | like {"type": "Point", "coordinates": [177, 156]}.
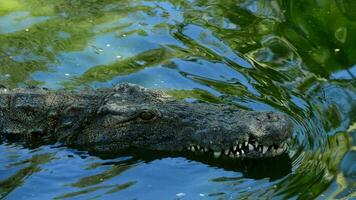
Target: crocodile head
{"type": "Point", "coordinates": [132, 116]}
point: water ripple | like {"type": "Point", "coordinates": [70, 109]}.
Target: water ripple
{"type": "Point", "coordinates": [295, 57]}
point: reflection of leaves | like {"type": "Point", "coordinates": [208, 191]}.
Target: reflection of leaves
{"type": "Point", "coordinates": [195, 49]}
{"type": "Point", "coordinates": [38, 47]}
{"type": "Point", "coordinates": [121, 187]}
{"type": "Point", "coordinates": [98, 178]}
{"type": "Point", "coordinates": [130, 65]}
{"type": "Point", "coordinates": [115, 189]}
{"type": "Point", "coordinates": [227, 88]}
{"type": "Point", "coordinates": [92, 180]}
{"type": "Point", "coordinates": [226, 179]}
{"type": "Point", "coordinates": [11, 183]}
{"type": "Point", "coordinates": [195, 93]}
{"type": "Point", "coordinates": [316, 34]}
{"type": "Point", "coordinates": [332, 117]}
{"type": "Point", "coordinates": [9, 6]}
{"type": "Point", "coordinates": [315, 175]}
{"type": "Point", "coordinates": [81, 192]}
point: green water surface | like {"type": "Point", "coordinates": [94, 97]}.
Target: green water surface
{"type": "Point", "coordinates": [293, 56]}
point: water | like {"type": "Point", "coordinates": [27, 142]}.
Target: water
{"type": "Point", "coordinates": [293, 56]}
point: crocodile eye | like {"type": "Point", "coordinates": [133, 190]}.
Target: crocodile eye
{"type": "Point", "coordinates": [147, 115]}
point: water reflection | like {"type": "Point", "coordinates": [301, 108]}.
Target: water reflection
{"type": "Point", "coordinates": [17, 21]}
{"type": "Point", "coordinates": [20, 170]}
{"type": "Point", "coordinates": [295, 57]}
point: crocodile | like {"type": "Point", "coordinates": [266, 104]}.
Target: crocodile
{"type": "Point", "coordinates": [130, 116]}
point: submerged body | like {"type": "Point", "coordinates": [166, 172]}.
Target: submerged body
{"type": "Point", "coordinates": [109, 120]}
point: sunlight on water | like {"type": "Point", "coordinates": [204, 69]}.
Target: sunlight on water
{"type": "Point", "coordinates": [295, 57]}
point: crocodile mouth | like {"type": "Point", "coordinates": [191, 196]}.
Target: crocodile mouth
{"type": "Point", "coordinates": [249, 149]}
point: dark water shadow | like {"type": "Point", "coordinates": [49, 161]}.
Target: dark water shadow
{"type": "Point", "coordinates": [272, 168]}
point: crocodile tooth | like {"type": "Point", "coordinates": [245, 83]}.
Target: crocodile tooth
{"type": "Point", "coordinates": [237, 154]}
{"type": "Point", "coordinates": [256, 144]}
{"type": "Point", "coordinates": [250, 147]}
{"type": "Point", "coordinates": [206, 149]}
{"type": "Point", "coordinates": [217, 154]}
{"type": "Point", "coordinates": [246, 143]}
{"type": "Point", "coordinates": [264, 149]}
{"type": "Point", "coordinates": [242, 152]}
{"type": "Point", "coordinates": [240, 145]}
{"type": "Point", "coordinates": [279, 150]}
{"type": "Point", "coordinates": [235, 148]}
{"type": "Point", "coordinates": [285, 146]}
{"type": "Point", "coordinates": [226, 152]}
{"type": "Point", "coordinates": [198, 147]}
